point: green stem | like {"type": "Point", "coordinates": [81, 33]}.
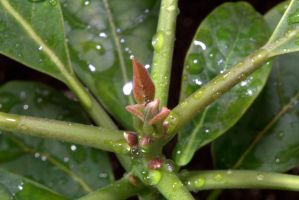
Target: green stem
{"type": "Point", "coordinates": [119, 190]}
{"type": "Point", "coordinates": [199, 100]}
{"type": "Point", "coordinates": [96, 112]}
{"type": "Point", "coordinates": [239, 179]}
{"type": "Point", "coordinates": [171, 187]}
{"type": "Point", "coordinates": [109, 140]}
{"type": "Point", "coordinates": [163, 43]}
{"type": "Point", "coordinates": [185, 111]}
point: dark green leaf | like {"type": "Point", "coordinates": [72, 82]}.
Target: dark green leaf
{"type": "Point", "coordinates": [69, 169]}
{"type": "Point", "coordinates": [101, 37]}
{"type": "Point", "coordinates": [19, 188]}
{"type": "Point", "coordinates": [266, 138]}
{"type": "Point", "coordinates": [225, 37]}
{"type": "Point", "coordinates": [33, 34]}
{"type": "Point", "coordinates": [287, 25]}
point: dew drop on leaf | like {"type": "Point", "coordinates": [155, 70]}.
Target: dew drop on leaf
{"type": "Point", "coordinates": [260, 177]}
{"type": "Point", "coordinates": [158, 41]}
{"type": "Point", "coordinates": [199, 182]}
{"type": "Point", "coordinates": [294, 17]}
{"type": "Point", "coordinates": [53, 2]}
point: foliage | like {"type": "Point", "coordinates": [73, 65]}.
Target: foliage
{"type": "Point", "coordinates": [239, 92]}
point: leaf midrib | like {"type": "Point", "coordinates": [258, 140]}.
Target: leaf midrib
{"type": "Point", "coordinates": [265, 130]}
{"type": "Point", "coordinates": [37, 39]}
{"type": "Point", "coordinates": [116, 40]}
{"type": "Point", "coordinates": [53, 161]}
{"type": "Point", "coordinates": [193, 134]}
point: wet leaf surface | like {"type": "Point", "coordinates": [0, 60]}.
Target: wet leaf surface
{"type": "Point", "coordinates": [69, 169]}
{"type": "Point", "coordinates": [102, 35]}
{"type": "Point", "coordinates": [266, 138]}
{"type": "Point", "coordinates": [225, 37]}
{"type": "Point", "coordinates": [14, 187]}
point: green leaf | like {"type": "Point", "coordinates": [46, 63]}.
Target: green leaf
{"type": "Point", "coordinates": [285, 38]}
{"type": "Point", "coordinates": [33, 34]}
{"type": "Point", "coordinates": [69, 169]}
{"type": "Point", "coordinates": [266, 138]}
{"type": "Point", "coordinates": [225, 37]}
{"type": "Point", "coordinates": [16, 187]}
{"type": "Point", "coordinates": [101, 37]}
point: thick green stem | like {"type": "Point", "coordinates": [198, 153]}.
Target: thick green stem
{"type": "Point", "coordinates": [163, 43]}
{"type": "Point", "coordinates": [239, 179]}
{"type": "Point", "coordinates": [172, 188]}
{"type": "Point", "coordinates": [96, 112]}
{"type": "Point", "coordinates": [199, 100]}
{"type": "Point", "coordinates": [119, 190]}
{"type": "Point", "coordinates": [207, 94]}
{"type": "Point", "coordinates": [109, 140]}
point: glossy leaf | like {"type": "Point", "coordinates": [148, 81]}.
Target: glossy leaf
{"type": "Point", "coordinates": [69, 169]}
{"type": "Point", "coordinates": [33, 34]}
{"type": "Point", "coordinates": [101, 37]}
{"type": "Point", "coordinates": [288, 25]}
{"type": "Point", "coordinates": [16, 187]}
{"type": "Point", "coordinates": [266, 138]}
{"type": "Point", "coordinates": [225, 37]}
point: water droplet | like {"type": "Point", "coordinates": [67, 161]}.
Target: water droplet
{"type": "Point", "coordinates": [39, 100]}
{"type": "Point", "coordinates": [260, 177]}
{"type": "Point", "coordinates": [199, 182]}
{"type": "Point", "coordinates": [36, 155]}
{"type": "Point", "coordinates": [122, 40]}
{"type": "Point", "coordinates": [171, 8]}
{"type": "Point", "coordinates": [66, 159]}
{"type": "Point", "coordinates": [127, 88]}
{"type": "Point", "coordinates": [249, 92]}
{"type": "Point", "coordinates": [20, 187]}
{"type": "Point", "coordinates": [40, 48]}
{"type": "Point", "coordinates": [93, 46]}
{"type": "Point", "coordinates": [103, 175]}
{"type": "Point", "coordinates": [195, 63]}
{"type": "Point", "coordinates": [200, 43]}
{"type": "Point", "coordinates": [152, 177]}
{"type": "Point", "coordinates": [197, 95]}
{"type": "Point", "coordinates": [25, 106]}
{"type": "Point", "coordinates": [91, 67]}
{"type": "Point", "coordinates": [103, 35]}
{"type": "Point", "coordinates": [280, 135]}
{"type": "Point", "coordinates": [294, 17]}
{"type": "Point", "coordinates": [244, 83]}
{"type": "Point", "coordinates": [218, 177]}
{"type": "Point", "coordinates": [86, 3]}
{"type": "Point", "coordinates": [277, 160]}
{"type": "Point", "coordinates": [207, 130]}
{"type": "Point", "coordinates": [73, 147]}
{"type": "Point", "coordinates": [176, 186]}
{"type": "Point", "coordinates": [44, 158]}
{"type": "Point", "coordinates": [53, 2]}
{"type": "Point", "coordinates": [170, 166]}
{"type": "Point", "coordinates": [158, 41]}
{"type": "Point", "coordinates": [229, 171]}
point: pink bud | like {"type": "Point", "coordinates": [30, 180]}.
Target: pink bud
{"type": "Point", "coordinates": [143, 86]}
{"type": "Point", "coordinates": [155, 164]}
{"type": "Point", "coordinates": [130, 138]}
{"type": "Point", "coordinates": [145, 141]}
{"type": "Point", "coordinates": [136, 110]}
{"type": "Point", "coordinates": [160, 117]}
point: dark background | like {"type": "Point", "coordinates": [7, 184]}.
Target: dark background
{"type": "Point", "coordinates": [191, 14]}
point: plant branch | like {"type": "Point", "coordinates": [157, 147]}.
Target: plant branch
{"type": "Point", "coordinates": [199, 100]}
{"type": "Point", "coordinates": [171, 187]}
{"type": "Point", "coordinates": [239, 179]}
{"type": "Point", "coordinates": [109, 140]}
{"type": "Point", "coordinates": [163, 43]}
{"type": "Point", "coordinates": [96, 112]}
{"type": "Point", "coordinates": [118, 190]}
